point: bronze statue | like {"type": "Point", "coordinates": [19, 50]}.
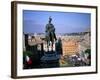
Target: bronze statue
{"type": "Point", "coordinates": [50, 33]}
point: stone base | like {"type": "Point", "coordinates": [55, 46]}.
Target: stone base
{"type": "Point", "coordinates": [50, 56]}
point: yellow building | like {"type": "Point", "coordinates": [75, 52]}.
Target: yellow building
{"type": "Point", "coordinates": [70, 47]}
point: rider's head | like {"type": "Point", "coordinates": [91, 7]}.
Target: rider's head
{"type": "Point", "coordinates": [50, 19]}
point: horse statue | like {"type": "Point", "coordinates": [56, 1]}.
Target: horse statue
{"type": "Point", "coordinates": [50, 34]}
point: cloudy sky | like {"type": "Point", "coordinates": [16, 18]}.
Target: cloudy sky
{"type": "Point", "coordinates": [64, 22]}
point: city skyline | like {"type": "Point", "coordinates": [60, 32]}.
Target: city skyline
{"type": "Point", "coordinates": [64, 22]}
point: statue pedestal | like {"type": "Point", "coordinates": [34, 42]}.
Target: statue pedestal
{"type": "Point", "coordinates": [50, 56]}
{"type": "Point", "coordinates": [50, 59]}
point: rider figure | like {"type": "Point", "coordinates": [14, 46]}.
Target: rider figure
{"type": "Point", "coordinates": [50, 30]}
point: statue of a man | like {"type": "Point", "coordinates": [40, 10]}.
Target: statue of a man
{"type": "Point", "coordinates": [50, 30]}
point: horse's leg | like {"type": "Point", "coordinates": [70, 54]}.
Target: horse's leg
{"type": "Point", "coordinates": [47, 45]}
{"type": "Point", "coordinates": [52, 45]}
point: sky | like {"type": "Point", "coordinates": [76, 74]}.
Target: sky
{"type": "Point", "coordinates": [64, 22]}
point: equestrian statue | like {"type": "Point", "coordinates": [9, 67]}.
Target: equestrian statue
{"type": "Point", "coordinates": [50, 34]}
